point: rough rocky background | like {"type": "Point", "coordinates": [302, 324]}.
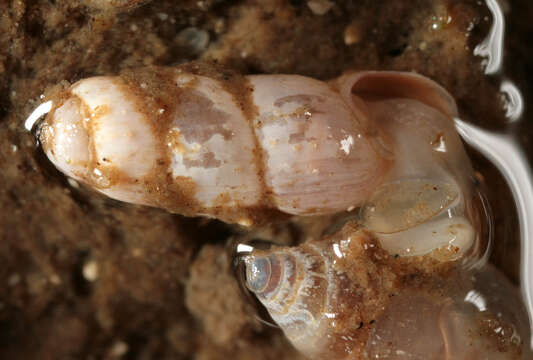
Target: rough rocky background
{"type": "Point", "coordinates": [83, 277]}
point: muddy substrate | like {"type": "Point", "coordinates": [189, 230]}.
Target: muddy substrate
{"type": "Point", "coordinates": [83, 277]}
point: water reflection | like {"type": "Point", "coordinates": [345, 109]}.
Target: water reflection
{"type": "Point", "coordinates": [492, 47]}
{"type": "Point", "coordinates": [39, 111]}
{"type": "Point", "coordinates": [513, 101]}
{"type": "Point", "coordinates": [477, 299]}
{"type": "Point", "coordinates": [505, 153]}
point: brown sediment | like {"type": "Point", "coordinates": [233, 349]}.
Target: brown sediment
{"type": "Point", "coordinates": [48, 230]}
{"type": "Point", "coordinates": [207, 161]}
{"type": "Point", "coordinates": [173, 141]}
{"type": "Point", "coordinates": [502, 335]}
{"type": "Point", "coordinates": [242, 92]}
{"type": "Point", "coordinates": [93, 158]}
{"type": "Point", "coordinates": [156, 96]}
{"type": "Point", "coordinates": [363, 290]}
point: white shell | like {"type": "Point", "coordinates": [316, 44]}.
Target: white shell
{"type": "Point", "coordinates": [243, 150]}
{"type": "Point", "coordinates": [319, 155]}
{"type": "Point", "coordinates": [303, 150]}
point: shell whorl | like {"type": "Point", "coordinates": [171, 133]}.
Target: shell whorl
{"type": "Point", "coordinates": [334, 288]}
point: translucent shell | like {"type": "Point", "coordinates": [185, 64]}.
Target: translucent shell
{"type": "Point", "coordinates": [424, 202]}
{"type": "Point", "coordinates": [279, 280]}
{"type": "Point", "coordinates": [386, 211]}
{"type": "Point", "coordinates": [344, 297]}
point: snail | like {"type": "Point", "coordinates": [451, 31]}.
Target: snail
{"type": "Point", "coordinates": [201, 141]}
{"type": "Point", "coordinates": [344, 297]}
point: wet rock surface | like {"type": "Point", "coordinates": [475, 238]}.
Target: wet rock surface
{"type": "Point", "coordinates": [84, 277]}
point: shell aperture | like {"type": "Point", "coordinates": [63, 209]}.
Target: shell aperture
{"type": "Point", "coordinates": [258, 274]}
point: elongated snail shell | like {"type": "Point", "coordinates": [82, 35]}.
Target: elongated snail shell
{"type": "Point", "coordinates": [244, 149]}
{"type": "Point", "coordinates": [201, 146]}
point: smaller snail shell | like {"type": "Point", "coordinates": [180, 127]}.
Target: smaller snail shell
{"type": "Point", "coordinates": [292, 284]}
{"type": "Point", "coordinates": [343, 297]}
{"type": "Point", "coordinates": [321, 291]}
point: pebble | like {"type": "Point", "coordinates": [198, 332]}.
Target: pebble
{"type": "Point", "coordinates": [194, 39]}
{"type": "Point", "coordinates": [55, 279]}
{"type": "Point", "coordinates": [353, 33]}
{"type": "Point", "coordinates": [13, 280]}
{"type": "Point", "coordinates": [73, 183]}
{"type": "Point", "coordinates": [320, 7]}
{"type": "Point", "coordinates": [220, 26]}
{"type": "Point", "coordinates": [162, 16]}
{"type": "Point", "coordinates": [119, 349]}
{"type": "Point", "coordinates": [90, 271]}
